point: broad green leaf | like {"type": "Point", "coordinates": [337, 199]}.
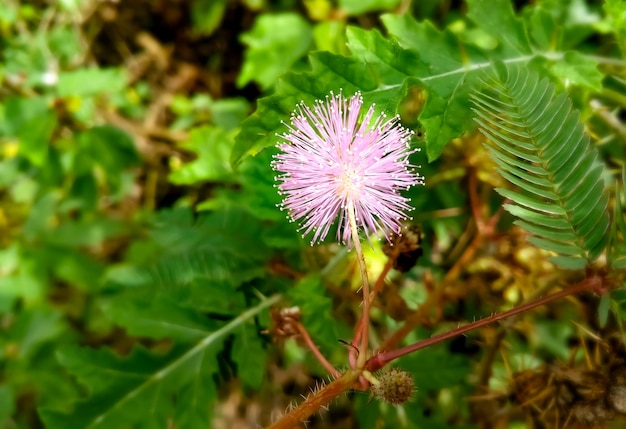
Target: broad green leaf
{"type": "Point", "coordinates": [110, 147]}
{"type": "Point", "coordinates": [443, 119]}
{"type": "Point", "coordinates": [578, 69]}
{"type": "Point", "coordinates": [381, 70]}
{"type": "Point", "coordinates": [330, 36]}
{"type": "Point", "coordinates": [274, 44]}
{"type": "Point", "coordinates": [228, 113]}
{"type": "Point", "coordinates": [42, 216]}
{"type": "Point", "coordinates": [91, 81]}
{"type": "Point", "coordinates": [85, 188]}
{"type": "Point", "coordinates": [32, 329]}
{"type": "Point", "coordinates": [213, 147]}
{"type": "Point", "coordinates": [392, 63]}
{"type": "Point", "coordinates": [439, 50]}
{"type": "Point", "coordinates": [496, 17]}
{"type": "Point", "coordinates": [446, 76]}
{"type": "Point", "coordinates": [74, 266]}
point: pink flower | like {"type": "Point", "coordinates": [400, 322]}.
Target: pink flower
{"type": "Point", "coordinates": [331, 160]}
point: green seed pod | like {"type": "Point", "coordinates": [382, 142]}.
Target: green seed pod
{"type": "Point", "coordinates": [395, 386]}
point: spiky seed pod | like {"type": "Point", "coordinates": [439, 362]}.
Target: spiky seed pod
{"type": "Point", "coordinates": [395, 386]}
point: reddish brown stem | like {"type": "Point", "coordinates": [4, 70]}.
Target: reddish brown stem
{"type": "Point", "coordinates": [414, 319]}
{"type": "Point", "coordinates": [382, 359]}
{"type": "Point", "coordinates": [318, 355]}
{"type": "Point", "coordinates": [377, 287]}
{"type": "Point", "coordinates": [317, 400]}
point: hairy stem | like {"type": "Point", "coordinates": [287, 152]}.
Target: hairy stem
{"type": "Point", "coordinates": [317, 400]}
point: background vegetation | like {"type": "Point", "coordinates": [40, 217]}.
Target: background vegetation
{"type": "Point", "coordinates": [141, 247]}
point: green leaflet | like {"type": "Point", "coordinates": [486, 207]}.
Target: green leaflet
{"type": "Point", "coordinates": [224, 246]}
{"type": "Point", "coordinates": [144, 389]}
{"type": "Point", "coordinates": [540, 147]}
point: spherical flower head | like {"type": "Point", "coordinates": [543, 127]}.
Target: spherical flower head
{"type": "Point", "coordinates": [330, 161]}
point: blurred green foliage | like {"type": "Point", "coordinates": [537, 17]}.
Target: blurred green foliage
{"type": "Point", "coordinates": [141, 246]}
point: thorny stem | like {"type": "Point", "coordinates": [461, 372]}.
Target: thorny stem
{"type": "Point", "coordinates": [320, 357]}
{"type": "Point", "coordinates": [484, 372]}
{"type": "Point", "coordinates": [380, 360]}
{"type": "Point", "coordinates": [317, 400]}
{"type": "Point", "coordinates": [349, 379]}
{"type": "Point", "coordinates": [363, 329]}
{"type": "Point", "coordinates": [414, 319]}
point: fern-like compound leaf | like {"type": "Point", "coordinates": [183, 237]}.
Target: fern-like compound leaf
{"type": "Point", "coordinates": [539, 145]}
